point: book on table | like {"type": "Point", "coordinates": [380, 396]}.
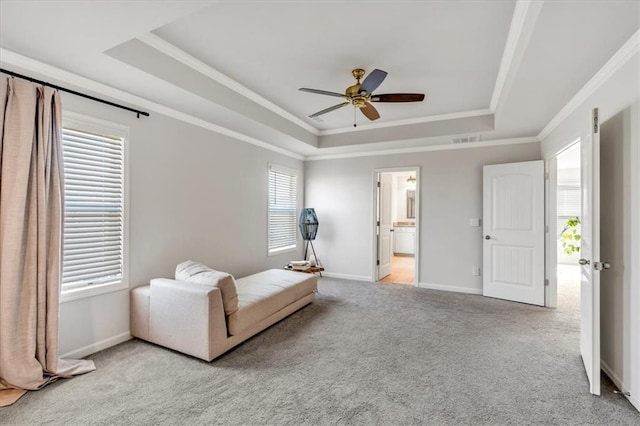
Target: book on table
{"type": "Point", "coordinates": [300, 264]}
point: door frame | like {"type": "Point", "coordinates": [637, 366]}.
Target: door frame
{"type": "Point", "coordinates": [551, 227]}
{"type": "Point", "coordinates": [634, 309]}
{"type": "Point", "coordinates": [374, 227]}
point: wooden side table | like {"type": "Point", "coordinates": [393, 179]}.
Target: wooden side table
{"type": "Point", "coordinates": [308, 270]}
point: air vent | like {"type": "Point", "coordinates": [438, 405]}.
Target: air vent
{"type": "Point", "coordinates": [466, 139]}
{"type": "Point", "coordinates": [318, 119]}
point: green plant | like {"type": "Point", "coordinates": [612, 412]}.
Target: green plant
{"type": "Point", "coordinates": [570, 236]}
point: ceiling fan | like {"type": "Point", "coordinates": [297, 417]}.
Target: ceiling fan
{"type": "Point", "coordinates": [361, 95]}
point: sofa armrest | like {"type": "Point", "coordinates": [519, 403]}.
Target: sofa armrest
{"type": "Point", "coordinates": [187, 317]}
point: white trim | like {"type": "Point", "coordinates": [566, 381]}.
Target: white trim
{"type": "Point", "coordinates": [292, 173]}
{"type": "Point", "coordinates": [97, 346]}
{"type": "Point", "coordinates": [614, 378]}
{"type": "Point", "coordinates": [183, 57]}
{"type": "Point", "coordinates": [634, 279]}
{"type": "Point", "coordinates": [565, 147]}
{"type": "Point", "coordinates": [481, 144]}
{"type": "Point", "coordinates": [374, 257]}
{"type": "Point", "coordinates": [93, 290]}
{"type": "Point", "coordinates": [551, 251]}
{"type": "Point", "coordinates": [452, 288]}
{"type": "Point", "coordinates": [346, 276]}
{"type": "Point", "coordinates": [551, 230]}
{"type": "Point", "coordinates": [617, 61]}
{"type": "Point", "coordinates": [92, 124]}
{"type": "Point", "coordinates": [17, 60]}
{"type": "Point", "coordinates": [418, 120]}
{"type": "Point", "coordinates": [509, 53]}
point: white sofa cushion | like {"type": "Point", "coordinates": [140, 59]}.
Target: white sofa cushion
{"type": "Point", "coordinates": [262, 295]}
{"type": "Point", "coordinates": [198, 273]}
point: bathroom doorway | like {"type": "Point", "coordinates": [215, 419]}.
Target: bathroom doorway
{"type": "Point", "coordinates": [396, 226]}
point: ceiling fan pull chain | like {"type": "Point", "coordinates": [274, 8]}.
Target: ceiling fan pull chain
{"type": "Point", "coordinates": [354, 117]}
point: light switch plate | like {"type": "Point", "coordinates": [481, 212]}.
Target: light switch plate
{"type": "Point", "coordinates": [475, 271]}
{"type": "Point", "coordinates": [474, 222]}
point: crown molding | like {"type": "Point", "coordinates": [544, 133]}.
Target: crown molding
{"type": "Point", "coordinates": [507, 64]}
{"type": "Point", "coordinates": [8, 57]}
{"type": "Point", "coordinates": [418, 120]}
{"type": "Point", "coordinates": [183, 57]}
{"type": "Point", "coordinates": [443, 147]}
{"type": "Point", "coordinates": [628, 50]}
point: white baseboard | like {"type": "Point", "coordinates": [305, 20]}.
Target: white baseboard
{"type": "Point", "coordinates": [635, 400]}
{"type": "Point", "coordinates": [97, 346]}
{"type": "Point", "coordinates": [613, 376]}
{"type": "Point", "coordinates": [453, 288]}
{"type": "Point", "coordinates": [347, 276]}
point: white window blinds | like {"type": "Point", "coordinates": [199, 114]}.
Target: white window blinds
{"type": "Point", "coordinates": [93, 209]}
{"type": "Point", "coordinates": [569, 201]}
{"type": "Point", "coordinates": [282, 208]}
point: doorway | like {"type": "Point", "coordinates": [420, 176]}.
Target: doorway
{"type": "Point", "coordinates": [568, 233]}
{"type": "Point", "coordinates": [396, 226]}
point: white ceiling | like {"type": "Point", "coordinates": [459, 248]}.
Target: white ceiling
{"type": "Point", "coordinates": [239, 64]}
{"type": "Point", "coordinates": [426, 47]}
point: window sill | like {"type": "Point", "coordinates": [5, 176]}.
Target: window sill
{"type": "Point", "coordinates": [91, 291]}
{"type": "Point", "coordinates": [284, 250]}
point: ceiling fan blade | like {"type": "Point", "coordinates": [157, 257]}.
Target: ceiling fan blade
{"type": "Point", "coordinates": [398, 97]}
{"type": "Point", "coordinates": [370, 112]}
{"type": "Point", "coordinates": [324, 111]}
{"type": "Point", "coordinates": [373, 80]}
{"type": "Point", "coordinates": [323, 92]}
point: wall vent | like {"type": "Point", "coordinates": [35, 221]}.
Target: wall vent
{"type": "Point", "coordinates": [466, 139]}
{"type": "Point", "coordinates": [318, 119]}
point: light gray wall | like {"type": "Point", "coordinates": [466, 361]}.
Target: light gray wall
{"type": "Point", "coordinates": [617, 93]}
{"type": "Point", "coordinates": [615, 243]}
{"type": "Point", "coordinates": [194, 194]}
{"type": "Point", "coordinates": [621, 91]}
{"type": "Point", "coordinates": [341, 191]}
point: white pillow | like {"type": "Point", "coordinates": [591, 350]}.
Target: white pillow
{"type": "Point", "coordinates": [198, 273]}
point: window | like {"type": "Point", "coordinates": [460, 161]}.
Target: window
{"type": "Point", "coordinates": [283, 231]}
{"type": "Point", "coordinates": [568, 206]}
{"type": "Point", "coordinates": [94, 207]}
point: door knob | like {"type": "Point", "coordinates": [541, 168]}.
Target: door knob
{"type": "Point", "coordinates": [487, 237]}
{"type": "Point", "coordinates": [584, 262]}
{"type": "Point", "coordinates": [599, 266]}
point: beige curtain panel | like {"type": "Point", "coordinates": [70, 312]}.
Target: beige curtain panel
{"type": "Point", "coordinates": [31, 217]}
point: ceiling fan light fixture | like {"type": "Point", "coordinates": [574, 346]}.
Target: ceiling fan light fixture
{"type": "Point", "coordinates": [360, 95]}
{"type": "Point", "coordinates": [411, 180]}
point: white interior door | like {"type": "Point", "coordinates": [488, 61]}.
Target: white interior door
{"type": "Point", "coordinates": [590, 255]}
{"type": "Point", "coordinates": [385, 227]}
{"type": "Point", "coordinates": [513, 214]}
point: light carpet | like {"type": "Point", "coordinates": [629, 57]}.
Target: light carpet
{"type": "Point", "coordinates": [361, 354]}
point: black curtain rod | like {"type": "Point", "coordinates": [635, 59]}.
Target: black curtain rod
{"type": "Point", "coordinates": [73, 92]}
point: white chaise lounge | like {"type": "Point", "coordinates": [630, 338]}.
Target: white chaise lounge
{"type": "Point", "coordinates": [204, 313]}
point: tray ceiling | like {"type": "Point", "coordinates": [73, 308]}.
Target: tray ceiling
{"type": "Point", "coordinates": [501, 69]}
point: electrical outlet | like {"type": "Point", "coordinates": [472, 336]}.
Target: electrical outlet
{"type": "Point", "coordinates": [474, 222]}
{"type": "Point", "coordinates": [475, 271]}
